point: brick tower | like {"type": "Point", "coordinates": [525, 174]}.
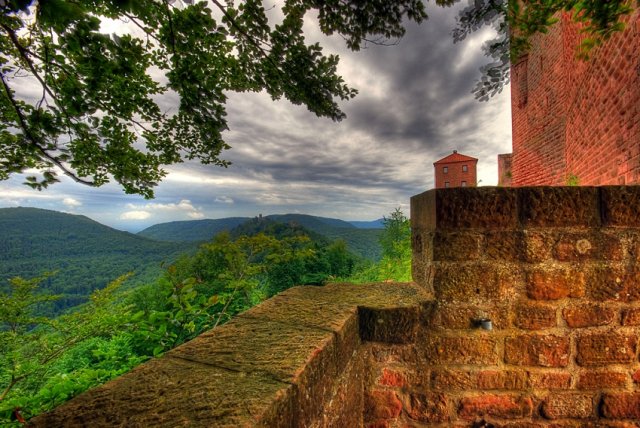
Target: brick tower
{"type": "Point", "coordinates": [455, 170]}
{"type": "Point", "coordinates": [575, 121]}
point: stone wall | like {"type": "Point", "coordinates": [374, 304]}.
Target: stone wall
{"type": "Point", "coordinates": [553, 269]}
{"type": "Point", "coordinates": [296, 360]}
{"type": "Point", "coordinates": [556, 271]}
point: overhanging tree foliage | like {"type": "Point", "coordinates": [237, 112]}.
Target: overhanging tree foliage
{"type": "Point", "coordinates": [78, 100]}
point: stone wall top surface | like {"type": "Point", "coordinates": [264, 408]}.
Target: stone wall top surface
{"type": "Point", "coordinates": [271, 366]}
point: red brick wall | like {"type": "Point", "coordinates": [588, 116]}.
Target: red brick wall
{"type": "Point", "coordinates": [455, 175]}
{"type": "Point", "coordinates": [603, 114]}
{"type": "Point", "coordinates": [574, 118]}
{"type": "Point", "coordinates": [556, 271]}
{"type": "Point", "coordinates": [537, 104]}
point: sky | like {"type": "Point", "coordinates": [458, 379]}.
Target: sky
{"type": "Point", "coordinates": [414, 107]}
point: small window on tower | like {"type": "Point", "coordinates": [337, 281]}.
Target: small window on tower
{"type": "Point", "coordinates": [445, 169]}
{"type": "Point", "coordinates": [446, 184]}
{"type": "Point", "coordinates": [464, 168]}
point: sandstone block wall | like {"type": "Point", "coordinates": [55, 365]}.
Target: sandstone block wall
{"type": "Point", "coordinates": [296, 360]}
{"type": "Point", "coordinates": [555, 269]}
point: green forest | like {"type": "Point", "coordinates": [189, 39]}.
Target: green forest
{"type": "Point", "coordinates": [51, 352]}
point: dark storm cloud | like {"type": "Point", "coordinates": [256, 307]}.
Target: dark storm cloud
{"type": "Point", "coordinates": [429, 80]}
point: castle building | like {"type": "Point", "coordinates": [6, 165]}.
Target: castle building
{"type": "Point", "coordinates": [576, 121]}
{"type": "Point", "coordinates": [455, 170]}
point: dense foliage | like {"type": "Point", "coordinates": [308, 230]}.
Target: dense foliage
{"type": "Point", "coordinates": [395, 241]}
{"type": "Point", "coordinates": [95, 115]}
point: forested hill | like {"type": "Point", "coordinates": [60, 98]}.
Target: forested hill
{"type": "Point", "coordinates": [86, 254]}
{"type": "Point", "coordinates": [191, 230]}
{"type": "Point", "coordinates": [363, 242]}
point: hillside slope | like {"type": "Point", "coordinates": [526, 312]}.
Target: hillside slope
{"type": "Point", "coordinates": [363, 242]}
{"type": "Point", "coordinates": [191, 230]}
{"type": "Point", "coordinates": [86, 254]}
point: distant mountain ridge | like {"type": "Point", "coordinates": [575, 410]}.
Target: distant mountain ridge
{"type": "Point", "coordinates": [373, 224]}
{"type": "Point", "coordinates": [191, 230]}
{"type": "Point", "coordinates": [361, 241]}
{"type": "Point", "coordinates": [86, 254]}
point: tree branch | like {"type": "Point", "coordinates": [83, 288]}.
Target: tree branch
{"type": "Point", "coordinates": [43, 154]}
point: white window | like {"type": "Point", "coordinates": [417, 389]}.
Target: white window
{"type": "Point", "coordinates": [463, 184]}
{"type": "Point", "coordinates": [464, 168]}
{"type": "Point", "coordinates": [445, 169]}
{"type": "Point", "coordinates": [446, 184]}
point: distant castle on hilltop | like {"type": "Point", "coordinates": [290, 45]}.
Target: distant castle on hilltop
{"type": "Point", "coordinates": [575, 121]}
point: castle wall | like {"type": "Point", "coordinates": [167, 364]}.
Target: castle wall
{"type": "Point", "coordinates": [555, 269]}
{"type": "Point", "coordinates": [575, 120]}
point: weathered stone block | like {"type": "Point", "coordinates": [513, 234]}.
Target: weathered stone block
{"type": "Point", "coordinates": [393, 378]}
{"type": "Point", "coordinates": [621, 405]}
{"type": "Point", "coordinates": [381, 404]}
{"type": "Point", "coordinates": [506, 246]}
{"type": "Point", "coordinates": [503, 379]}
{"type": "Point", "coordinates": [606, 348]}
{"type": "Point", "coordinates": [345, 405]}
{"type": "Point", "coordinates": [531, 316]}
{"type": "Point", "coordinates": [568, 405]}
{"type": "Point", "coordinates": [631, 316]}
{"type": "Point", "coordinates": [461, 317]}
{"type": "Point", "coordinates": [453, 380]}
{"type": "Point", "coordinates": [428, 407]}
{"type": "Point", "coordinates": [559, 206]}
{"type": "Point", "coordinates": [537, 350]}
{"type": "Point", "coordinates": [554, 282]}
{"type": "Point", "coordinates": [588, 315]}
{"type": "Point", "coordinates": [620, 205]}
{"type": "Point", "coordinates": [465, 208]}
{"type": "Point", "coordinates": [153, 394]}
{"type": "Point", "coordinates": [476, 282]}
{"type": "Point", "coordinates": [394, 325]}
{"type": "Point", "coordinates": [500, 406]}
{"type": "Point", "coordinates": [615, 283]}
{"type": "Point", "coordinates": [601, 380]}
{"type": "Point", "coordinates": [460, 350]}
{"type": "Point", "coordinates": [456, 246]}
{"type": "Point", "coordinates": [423, 274]}
{"type": "Point", "coordinates": [391, 354]}
{"type": "Point", "coordinates": [588, 246]}
{"type": "Point", "coordinates": [538, 245]}
{"type": "Point", "coordinates": [549, 380]}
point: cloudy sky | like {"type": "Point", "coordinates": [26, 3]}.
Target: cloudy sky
{"type": "Point", "coordinates": [414, 107]}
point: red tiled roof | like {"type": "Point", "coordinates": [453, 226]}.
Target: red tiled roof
{"type": "Point", "coordinates": [455, 157]}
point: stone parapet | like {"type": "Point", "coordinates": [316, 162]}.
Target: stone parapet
{"type": "Point", "coordinates": [555, 271]}
{"type": "Point", "coordinates": [293, 361]}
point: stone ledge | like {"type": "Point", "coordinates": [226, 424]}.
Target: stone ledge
{"type": "Point", "coordinates": [274, 365]}
{"type": "Point", "coordinates": [525, 207]}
